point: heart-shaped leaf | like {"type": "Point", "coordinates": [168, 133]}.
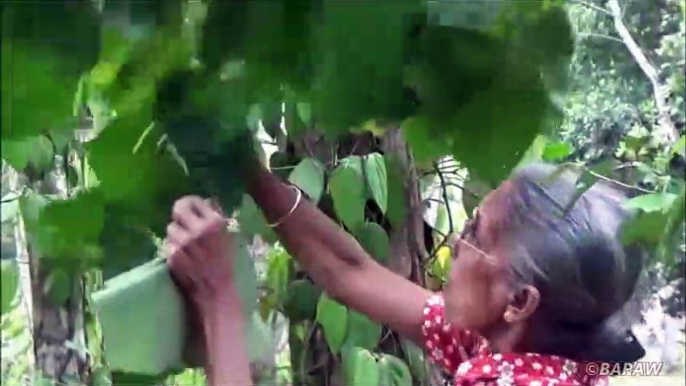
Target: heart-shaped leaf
{"type": "Point", "coordinates": [333, 318]}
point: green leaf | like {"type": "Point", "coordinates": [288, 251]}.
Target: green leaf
{"type": "Point", "coordinates": [375, 171]}
{"type": "Point", "coordinates": [124, 243]}
{"type": "Point", "coordinates": [333, 317]}
{"type": "Point", "coordinates": [415, 360]}
{"type": "Point", "coordinates": [46, 48]}
{"type": "Point", "coordinates": [556, 151]}
{"type": "Point", "coordinates": [645, 227]}
{"type": "Point", "coordinates": [427, 145]}
{"type": "Point", "coordinates": [278, 272]}
{"type": "Point", "coordinates": [651, 202]}
{"type": "Point", "coordinates": [10, 284]}
{"type": "Point", "coordinates": [362, 331]}
{"type": "Point", "coordinates": [496, 111]}
{"type": "Point", "coordinates": [587, 177]}
{"type": "Point", "coordinates": [301, 300]}
{"type": "Point", "coordinates": [36, 151]}
{"type": "Point", "coordinates": [360, 367]}
{"type": "Point", "coordinates": [309, 176]}
{"type": "Point", "coordinates": [59, 286]}
{"type": "Point", "coordinates": [653, 224]}
{"type": "Point", "coordinates": [398, 372]}
{"type": "Point", "coordinates": [481, 91]}
{"type": "Point", "coordinates": [65, 229]}
{"type": "Point", "coordinates": [375, 241]}
{"type": "Point", "coordinates": [360, 40]}
{"type": "Point", "coordinates": [679, 146]}
{"type": "Point", "coordinates": [305, 112]}
{"type": "Point", "coordinates": [251, 218]}
{"type": "Point", "coordinates": [348, 195]}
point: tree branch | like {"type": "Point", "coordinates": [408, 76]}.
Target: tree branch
{"type": "Point", "coordinates": [660, 92]}
{"type": "Point", "coordinates": [599, 36]}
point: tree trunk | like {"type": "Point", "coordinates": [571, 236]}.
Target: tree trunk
{"type": "Point", "coordinates": [58, 329]}
{"type": "Point", "coordinates": [661, 92]}
{"type": "Point", "coordinates": [408, 249]}
{"type": "Point", "coordinates": [18, 250]}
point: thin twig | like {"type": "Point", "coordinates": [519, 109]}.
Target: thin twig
{"type": "Point", "coordinates": [444, 188]}
{"type": "Point", "coordinates": [618, 183]}
{"type": "Point", "coordinates": [593, 7]}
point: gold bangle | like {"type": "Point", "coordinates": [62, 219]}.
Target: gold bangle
{"type": "Point", "coordinates": [298, 198]}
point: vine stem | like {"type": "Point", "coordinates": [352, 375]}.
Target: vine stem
{"type": "Point", "coordinates": [618, 183]}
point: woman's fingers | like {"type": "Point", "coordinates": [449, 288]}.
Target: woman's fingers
{"type": "Point", "coordinates": [186, 241]}
{"type": "Point", "coordinates": [177, 235]}
{"type": "Point", "coordinates": [186, 212]}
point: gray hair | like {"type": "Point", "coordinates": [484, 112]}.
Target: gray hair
{"type": "Point", "coordinates": [571, 251]}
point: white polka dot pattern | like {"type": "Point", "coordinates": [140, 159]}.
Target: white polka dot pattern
{"type": "Point", "coordinates": [468, 356]}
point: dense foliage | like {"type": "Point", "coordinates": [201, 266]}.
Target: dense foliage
{"type": "Point", "coordinates": [174, 94]}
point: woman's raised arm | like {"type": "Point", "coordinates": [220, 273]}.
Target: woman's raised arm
{"type": "Point", "coordinates": [335, 261]}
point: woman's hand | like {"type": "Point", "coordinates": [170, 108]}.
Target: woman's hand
{"type": "Point", "coordinates": [200, 249]}
{"type": "Point", "coordinates": [201, 253]}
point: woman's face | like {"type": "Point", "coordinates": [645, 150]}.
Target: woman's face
{"type": "Point", "coordinates": [478, 288]}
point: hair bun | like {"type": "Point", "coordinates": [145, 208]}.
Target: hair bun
{"type": "Point", "coordinates": [616, 345]}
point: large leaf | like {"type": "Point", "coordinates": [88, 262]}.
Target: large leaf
{"type": "Point", "coordinates": [362, 331]}
{"type": "Point", "coordinates": [397, 371]}
{"type": "Point", "coordinates": [36, 151]}
{"type": "Point", "coordinates": [487, 91]}
{"type": "Point", "coordinates": [360, 40]}
{"type": "Point", "coordinates": [652, 222]}
{"type": "Point", "coordinates": [651, 202]}
{"type": "Point", "coordinates": [375, 241]}
{"type": "Point", "coordinates": [360, 367]}
{"type": "Point", "coordinates": [333, 317]}
{"type": "Point", "coordinates": [278, 272]}
{"type": "Point", "coordinates": [309, 176]}
{"type": "Point", "coordinates": [65, 229]}
{"type": "Point", "coordinates": [348, 195]}
{"type": "Point", "coordinates": [125, 244]}
{"type": "Point", "coordinates": [301, 300]}
{"type": "Point", "coordinates": [10, 284]}
{"type": "Point", "coordinates": [46, 48]}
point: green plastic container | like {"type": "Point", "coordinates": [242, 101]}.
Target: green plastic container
{"type": "Point", "coordinates": [144, 323]}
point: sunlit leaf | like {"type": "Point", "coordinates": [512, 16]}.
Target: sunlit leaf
{"type": "Point", "coordinates": [309, 176]}
{"type": "Point", "coordinates": [375, 171]}
{"type": "Point", "coordinates": [10, 284]}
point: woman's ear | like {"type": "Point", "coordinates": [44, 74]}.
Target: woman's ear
{"type": "Point", "coordinates": [523, 302]}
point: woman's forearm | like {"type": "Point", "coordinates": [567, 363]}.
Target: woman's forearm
{"type": "Point", "coordinates": [319, 244]}
{"type": "Point", "coordinates": [336, 262]}
{"type": "Point", "coordinates": [227, 359]}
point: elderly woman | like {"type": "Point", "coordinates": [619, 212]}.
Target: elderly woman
{"type": "Point", "coordinates": [536, 288]}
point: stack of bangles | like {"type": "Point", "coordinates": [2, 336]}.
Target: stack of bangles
{"type": "Point", "coordinates": [298, 198]}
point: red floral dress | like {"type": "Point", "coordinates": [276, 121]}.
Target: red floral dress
{"type": "Point", "coordinates": [469, 357]}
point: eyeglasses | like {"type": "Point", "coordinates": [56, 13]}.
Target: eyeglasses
{"type": "Point", "coordinates": [468, 237]}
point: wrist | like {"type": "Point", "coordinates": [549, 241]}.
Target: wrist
{"type": "Point", "coordinates": [218, 303]}
{"type": "Point", "coordinates": [256, 178]}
